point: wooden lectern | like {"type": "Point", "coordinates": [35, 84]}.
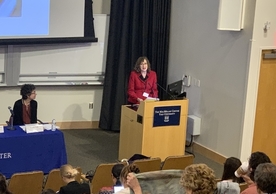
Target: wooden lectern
{"type": "Point", "coordinates": [154, 129]}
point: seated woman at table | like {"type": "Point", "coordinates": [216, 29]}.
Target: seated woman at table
{"type": "Point", "coordinates": [25, 109]}
{"type": "Point", "coordinates": [68, 174]}
{"type": "Point", "coordinates": [3, 185]}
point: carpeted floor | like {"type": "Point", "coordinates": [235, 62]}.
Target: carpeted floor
{"type": "Point", "coordinates": [87, 148]}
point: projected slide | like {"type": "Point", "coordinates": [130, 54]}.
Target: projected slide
{"type": "Point", "coordinates": [24, 17]}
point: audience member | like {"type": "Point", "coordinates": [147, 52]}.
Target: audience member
{"type": "Point", "coordinates": [115, 175]}
{"type": "Point", "coordinates": [198, 179]}
{"type": "Point", "coordinates": [25, 109]}
{"type": "Point", "coordinates": [3, 185]}
{"type": "Point", "coordinates": [68, 174]}
{"type": "Point", "coordinates": [123, 177]}
{"type": "Point", "coordinates": [265, 178]}
{"type": "Point", "coordinates": [133, 183]}
{"type": "Point", "coordinates": [229, 182]}
{"type": "Point", "coordinates": [48, 191]}
{"type": "Point", "coordinates": [255, 159]}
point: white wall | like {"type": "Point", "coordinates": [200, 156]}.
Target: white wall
{"type": "Point", "coordinates": [61, 102]}
{"type": "Point", "coordinates": [219, 59]}
{"type": "Point", "coordinates": [265, 11]}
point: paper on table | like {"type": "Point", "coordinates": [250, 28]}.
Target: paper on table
{"type": "Point", "coordinates": [23, 127]}
{"type": "Point", "coordinates": [1, 129]}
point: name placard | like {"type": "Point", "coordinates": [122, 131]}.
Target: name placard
{"type": "Point", "coordinates": [33, 128]}
{"type": "Point", "coordinates": [166, 116]}
{"type": "Point", "coordinates": [1, 129]}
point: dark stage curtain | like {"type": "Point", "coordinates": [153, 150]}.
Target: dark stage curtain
{"type": "Point", "coordinates": [137, 28]}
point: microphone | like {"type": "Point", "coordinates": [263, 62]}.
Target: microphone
{"type": "Point", "coordinates": [11, 111]}
{"type": "Point", "coordinates": [172, 97]}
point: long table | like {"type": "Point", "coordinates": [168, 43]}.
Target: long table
{"type": "Point", "coordinates": [22, 152]}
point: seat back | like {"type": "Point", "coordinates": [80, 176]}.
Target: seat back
{"type": "Point", "coordinates": [161, 181]}
{"type": "Point", "coordinates": [54, 180]}
{"type": "Point", "coordinates": [147, 165]}
{"type": "Point", "coordinates": [102, 177]}
{"type": "Point", "coordinates": [243, 186]}
{"type": "Point", "coordinates": [26, 183]}
{"type": "Point", "coordinates": [178, 162]}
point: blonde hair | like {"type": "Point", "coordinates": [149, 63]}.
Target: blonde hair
{"type": "Point", "coordinates": [68, 171]}
{"type": "Point", "coordinates": [127, 169]}
{"type": "Point", "coordinates": [199, 178]}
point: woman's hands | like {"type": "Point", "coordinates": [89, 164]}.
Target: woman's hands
{"type": "Point", "coordinates": [133, 183]}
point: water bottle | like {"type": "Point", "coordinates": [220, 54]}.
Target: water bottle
{"type": "Point", "coordinates": [54, 125]}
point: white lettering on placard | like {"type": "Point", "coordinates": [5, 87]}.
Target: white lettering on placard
{"type": "Point", "coordinates": [5, 156]}
{"type": "Point", "coordinates": [166, 112]}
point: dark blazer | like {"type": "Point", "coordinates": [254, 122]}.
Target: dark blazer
{"type": "Point", "coordinates": [75, 188]}
{"type": "Point", "coordinates": [137, 86]}
{"type": "Point", "coordinates": [18, 112]}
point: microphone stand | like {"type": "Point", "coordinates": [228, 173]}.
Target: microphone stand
{"type": "Point", "coordinates": [11, 127]}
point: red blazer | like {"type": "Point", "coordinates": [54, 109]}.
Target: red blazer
{"type": "Point", "coordinates": [137, 86]}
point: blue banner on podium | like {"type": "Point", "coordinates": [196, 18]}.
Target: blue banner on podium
{"type": "Point", "coordinates": [166, 116]}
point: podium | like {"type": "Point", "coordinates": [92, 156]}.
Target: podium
{"type": "Point", "coordinates": [154, 129]}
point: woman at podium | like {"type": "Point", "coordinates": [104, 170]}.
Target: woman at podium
{"type": "Point", "coordinates": [25, 109]}
{"type": "Point", "coordinates": [142, 82]}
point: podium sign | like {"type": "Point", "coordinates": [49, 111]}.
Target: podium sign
{"type": "Point", "coordinates": [166, 116]}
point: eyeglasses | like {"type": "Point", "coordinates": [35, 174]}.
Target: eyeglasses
{"type": "Point", "coordinates": [34, 92]}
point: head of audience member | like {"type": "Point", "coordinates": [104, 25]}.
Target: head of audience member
{"type": "Point", "coordinates": [48, 191]}
{"type": "Point", "coordinates": [116, 171]}
{"type": "Point", "coordinates": [142, 65]}
{"type": "Point", "coordinates": [265, 178]}
{"type": "Point", "coordinates": [68, 173]}
{"type": "Point", "coordinates": [3, 185]}
{"type": "Point", "coordinates": [28, 92]}
{"type": "Point", "coordinates": [255, 159]}
{"type": "Point", "coordinates": [230, 166]}
{"type": "Point", "coordinates": [198, 179]}
{"type": "Point", "coordinates": [128, 169]}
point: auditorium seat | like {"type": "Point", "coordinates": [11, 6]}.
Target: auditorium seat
{"type": "Point", "coordinates": [147, 165]}
{"type": "Point", "coordinates": [26, 183]}
{"type": "Point", "coordinates": [178, 162]}
{"type": "Point", "coordinates": [102, 177]}
{"type": "Point", "coordinates": [243, 186]}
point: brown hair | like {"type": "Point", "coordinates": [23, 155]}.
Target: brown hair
{"type": "Point", "coordinates": [230, 166]}
{"type": "Point", "coordinates": [68, 171]}
{"type": "Point", "coordinates": [199, 178]}
{"type": "Point", "coordinates": [3, 185]}
{"type": "Point", "coordinates": [139, 61]}
{"type": "Point", "coordinates": [127, 169]}
{"type": "Point", "coordinates": [265, 177]}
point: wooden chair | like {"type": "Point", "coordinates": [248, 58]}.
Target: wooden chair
{"type": "Point", "coordinates": [243, 186]}
{"type": "Point", "coordinates": [177, 162]}
{"type": "Point", "coordinates": [26, 183]}
{"type": "Point", "coordinates": [147, 165]}
{"type": "Point", "coordinates": [102, 177]}
{"type": "Point", "coordinates": [54, 180]}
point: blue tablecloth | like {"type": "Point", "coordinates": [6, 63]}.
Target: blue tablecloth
{"type": "Point", "coordinates": [22, 152]}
